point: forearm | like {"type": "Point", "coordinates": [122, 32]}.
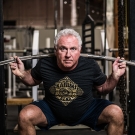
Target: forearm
{"type": "Point", "coordinates": [109, 85]}
{"type": "Point", "coordinates": [27, 79]}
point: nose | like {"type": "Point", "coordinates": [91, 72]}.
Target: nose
{"type": "Point", "coordinates": [68, 53]}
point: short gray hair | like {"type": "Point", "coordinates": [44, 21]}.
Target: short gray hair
{"type": "Point", "coordinates": [65, 32]}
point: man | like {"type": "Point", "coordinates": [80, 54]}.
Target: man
{"type": "Point", "coordinates": [68, 79]}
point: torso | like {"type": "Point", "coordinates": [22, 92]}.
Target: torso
{"type": "Point", "coordinates": [69, 94]}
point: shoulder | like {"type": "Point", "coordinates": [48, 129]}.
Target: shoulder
{"type": "Point", "coordinates": [45, 62]}
{"type": "Point", "coordinates": [48, 60]}
{"type": "Point", "coordinates": [87, 60]}
{"type": "Point", "coordinates": [85, 63]}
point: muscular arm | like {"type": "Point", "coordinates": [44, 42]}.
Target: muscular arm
{"type": "Point", "coordinates": [27, 79]}
{"type": "Point", "coordinates": [109, 84]}
{"type": "Point", "coordinates": [18, 69]}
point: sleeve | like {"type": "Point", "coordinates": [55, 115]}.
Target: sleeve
{"type": "Point", "coordinates": [99, 76]}
{"type": "Point", "coordinates": [35, 72]}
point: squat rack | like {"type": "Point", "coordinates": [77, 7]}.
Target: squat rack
{"type": "Point", "coordinates": [2, 89]}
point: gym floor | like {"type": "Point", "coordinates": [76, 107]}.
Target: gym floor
{"type": "Point", "coordinates": [64, 132]}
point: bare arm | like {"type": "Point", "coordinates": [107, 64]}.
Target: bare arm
{"type": "Point", "coordinates": [112, 80]}
{"type": "Point", "coordinates": [18, 69]}
{"type": "Point", "coordinates": [108, 86]}
{"type": "Point", "coordinates": [27, 79]}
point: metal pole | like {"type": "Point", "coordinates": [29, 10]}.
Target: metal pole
{"type": "Point", "coordinates": [131, 101]}
{"type": "Point", "coordinates": [2, 88]}
{"type": "Point", "coordinates": [55, 16]}
{"type": "Point", "coordinates": [61, 14]}
{"type": "Point", "coordinates": [87, 3]}
{"type": "Point", "coordinates": [73, 13]}
{"type": "Point", "coordinates": [14, 77]}
{"type": "Point", "coordinates": [35, 50]}
{"type": "Point", "coordinates": [9, 95]}
{"type": "Point", "coordinates": [104, 19]}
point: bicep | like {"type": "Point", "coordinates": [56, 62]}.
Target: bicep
{"type": "Point", "coordinates": [37, 82]}
{"type": "Point", "coordinates": [36, 72]}
{"type": "Point", "coordinates": [99, 88]}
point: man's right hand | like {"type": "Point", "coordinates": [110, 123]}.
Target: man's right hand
{"type": "Point", "coordinates": [17, 67]}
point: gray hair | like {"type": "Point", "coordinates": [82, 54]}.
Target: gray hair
{"type": "Point", "coordinates": [65, 32]}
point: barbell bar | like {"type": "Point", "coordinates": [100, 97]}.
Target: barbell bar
{"type": "Point", "coordinates": [23, 58]}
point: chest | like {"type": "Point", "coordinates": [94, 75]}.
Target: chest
{"type": "Point", "coordinates": [78, 79]}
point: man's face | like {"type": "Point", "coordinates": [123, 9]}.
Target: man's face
{"type": "Point", "coordinates": [67, 52]}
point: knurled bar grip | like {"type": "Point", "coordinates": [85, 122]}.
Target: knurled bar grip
{"type": "Point", "coordinates": [50, 55]}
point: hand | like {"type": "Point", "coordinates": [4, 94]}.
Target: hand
{"type": "Point", "coordinates": [17, 67]}
{"type": "Point", "coordinates": [118, 68]}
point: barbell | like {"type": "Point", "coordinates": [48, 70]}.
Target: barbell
{"type": "Point", "coordinates": [23, 58]}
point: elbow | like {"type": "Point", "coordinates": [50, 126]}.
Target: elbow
{"type": "Point", "coordinates": [103, 90]}
{"type": "Point", "coordinates": [36, 82]}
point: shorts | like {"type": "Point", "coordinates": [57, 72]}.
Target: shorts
{"type": "Point", "coordinates": [90, 118]}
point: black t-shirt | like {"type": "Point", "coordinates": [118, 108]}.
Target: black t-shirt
{"type": "Point", "coordinates": [68, 93]}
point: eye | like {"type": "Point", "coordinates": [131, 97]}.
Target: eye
{"type": "Point", "coordinates": [62, 48]}
{"type": "Point", "coordinates": [73, 48]}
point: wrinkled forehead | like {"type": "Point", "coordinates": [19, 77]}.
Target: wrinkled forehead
{"type": "Point", "coordinates": [68, 41]}
{"type": "Point", "coordinates": [68, 37]}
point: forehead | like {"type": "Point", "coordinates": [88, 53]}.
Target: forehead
{"type": "Point", "coordinates": [67, 39]}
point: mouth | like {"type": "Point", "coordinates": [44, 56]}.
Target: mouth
{"type": "Point", "coordinates": [67, 61]}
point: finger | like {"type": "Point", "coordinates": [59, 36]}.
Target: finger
{"type": "Point", "coordinates": [116, 61]}
{"type": "Point", "coordinates": [122, 65]}
{"type": "Point", "coordinates": [123, 62]}
{"type": "Point", "coordinates": [11, 57]}
{"type": "Point", "coordinates": [122, 58]}
{"type": "Point", "coordinates": [13, 67]}
{"type": "Point", "coordinates": [18, 60]}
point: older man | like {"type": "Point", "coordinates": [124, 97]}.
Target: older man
{"type": "Point", "coordinates": [68, 80]}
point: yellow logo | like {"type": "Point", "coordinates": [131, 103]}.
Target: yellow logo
{"type": "Point", "coordinates": [66, 90]}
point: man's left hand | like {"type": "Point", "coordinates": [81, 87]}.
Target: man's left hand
{"type": "Point", "coordinates": [118, 68]}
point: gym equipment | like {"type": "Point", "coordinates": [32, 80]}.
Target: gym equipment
{"type": "Point", "coordinates": [88, 30]}
{"type": "Point", "coordinates": [52, 54]}
{"type": "Point", "coordinates": [131, 98]}
{"type": "Point", "coordinates": [122, 41]}
{"type": "Point", "coordinates": [2, 91]}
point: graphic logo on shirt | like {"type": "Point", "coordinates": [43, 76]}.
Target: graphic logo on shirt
{"type": "Point", "coordinates": [66, 90]}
